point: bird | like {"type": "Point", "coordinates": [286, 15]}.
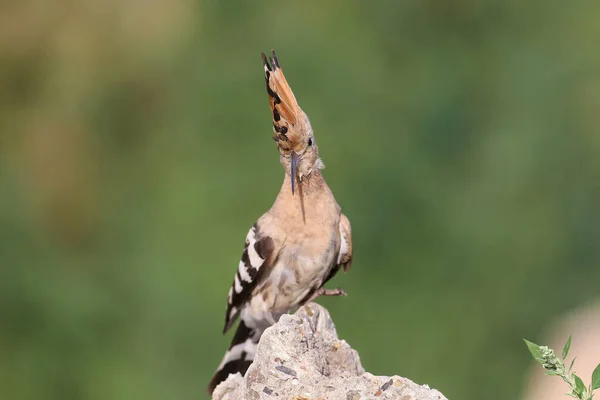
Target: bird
{"type": "Point", "coordinates": [293, 249]}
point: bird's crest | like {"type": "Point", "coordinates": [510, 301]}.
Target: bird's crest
{"type": "Point", "coordinates": [288, 117]}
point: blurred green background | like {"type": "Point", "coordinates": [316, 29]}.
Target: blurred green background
{"type": "Point", "coordinates": [461, 138]}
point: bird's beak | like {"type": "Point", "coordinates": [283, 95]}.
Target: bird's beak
{"type": "Point", "coordinates": [294, 156]}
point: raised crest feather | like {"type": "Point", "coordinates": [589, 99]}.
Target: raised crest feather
{"type": "Point", "coordinates": [285, 110]}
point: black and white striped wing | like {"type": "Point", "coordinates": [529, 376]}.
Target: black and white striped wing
{"type": "Point", "coordinates": [257, 251]}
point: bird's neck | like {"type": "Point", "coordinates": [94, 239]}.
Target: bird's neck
{"type": "Point", "coordinates": [312, 198]}
{"type": "Point", "coordinates": [310, 185]}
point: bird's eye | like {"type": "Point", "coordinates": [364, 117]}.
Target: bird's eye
{"type": "Point", "coordinates": [310, 141]}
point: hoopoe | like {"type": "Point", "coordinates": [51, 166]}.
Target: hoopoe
{"type": "Point", "coordinates": [296, 246]}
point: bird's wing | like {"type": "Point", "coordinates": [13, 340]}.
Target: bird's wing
{"type": "Point", "coordinates": [344, 259]}
{"type": "Point", "coordinates": [258, 252]}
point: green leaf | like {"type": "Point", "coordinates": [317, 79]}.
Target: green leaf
{"type": "Point", "coordinates": [579, 386]}
{"type": "Point", "coordinates": [534, 349]}
{"type": "Point", "coordinates": [566, 348]}
{"type": "Point", "coordinates": [596, 378]}
{"type": "Point", "coordinates": [572, 362]}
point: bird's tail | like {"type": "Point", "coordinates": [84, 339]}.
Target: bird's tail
{"type": "Point", "coordinates": [239, 356]}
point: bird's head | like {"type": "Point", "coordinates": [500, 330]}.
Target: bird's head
{"type": "Point", "coordinates": [298, 151]}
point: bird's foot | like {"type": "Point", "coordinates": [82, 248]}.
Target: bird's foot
{"type": "Point", "coordinates": [327, 292]}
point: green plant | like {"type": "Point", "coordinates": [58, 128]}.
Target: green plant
{"type": "Point", "coordinates": [555, 366]}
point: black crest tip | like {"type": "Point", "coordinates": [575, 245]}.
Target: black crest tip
{"type": "Point", "coordinates": [266, 62]}
{"type": "Point", "coordinates": [274, 59]}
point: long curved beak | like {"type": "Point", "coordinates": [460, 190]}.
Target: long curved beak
{"type": "Point", "coordinates": [294, 157]}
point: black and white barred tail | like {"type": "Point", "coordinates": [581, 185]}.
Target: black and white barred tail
{"type": "Point", "coordinates": [255, 259]}
{"type": "Point", "coordinates": [239, 356]}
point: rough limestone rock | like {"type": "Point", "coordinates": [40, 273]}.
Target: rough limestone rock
{"type": "Point", "coordinates": [301, 358]}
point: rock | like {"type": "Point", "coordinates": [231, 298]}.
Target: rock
{"type": "Point", "coordinates": [301, 358]}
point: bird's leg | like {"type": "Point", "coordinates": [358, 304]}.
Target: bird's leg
{"type": "Point", "coordinates": [327, 292]}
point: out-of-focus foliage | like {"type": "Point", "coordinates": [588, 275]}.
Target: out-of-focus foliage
{"type": "Point", "coordinates": [462, 139]}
